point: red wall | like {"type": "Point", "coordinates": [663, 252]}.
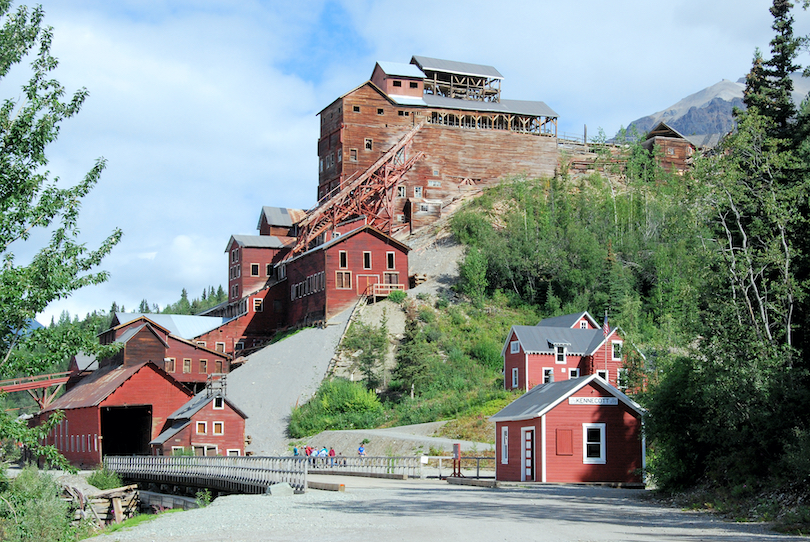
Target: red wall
{"type": "Point", "coordinates": [82, 424]}
{"type": "Point", "coordinates": [149, 387]}
{"type": "Point", "coordinates": [623, 443]}
{"type": "Point", "coordinates": [180, 350]}
{"type": "Point", "coordinates": [233, 437]}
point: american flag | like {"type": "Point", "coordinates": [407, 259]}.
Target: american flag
{"type": "Point", "coordinates": [605, 327]}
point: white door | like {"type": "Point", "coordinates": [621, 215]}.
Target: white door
{"type": "Point", "coordinates": [527, 455]}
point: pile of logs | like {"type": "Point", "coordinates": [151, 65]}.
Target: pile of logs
{"type": "Point", "coordinates": [417, 279]}
{"type": "Point", "coordinates": [104, 507]}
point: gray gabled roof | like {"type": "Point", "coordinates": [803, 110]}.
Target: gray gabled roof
{"type": "Point", "coordinates": [175, 428]}
{"type": "Point", "coordinates": [542, 340]}
{"type": "Point", "coordinates": [258, 241]}
{"type": "Point", "coordinates": [542, 398]}
{"type": "Point", "coordinates": [280, 216]}
{"type": "Point", "coordinates": [125, 337]}
{"type": "Point", "coordinates": [180, 325]}
{"type": "Point", "coordinates": [196, 403]}
{"type": "Point", "coordinates": [451, 66]}
{"type": "Point", "coordinates": [567, 320]}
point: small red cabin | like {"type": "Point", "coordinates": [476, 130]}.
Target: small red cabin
{"type": "Point", "coordinates": [581, 430]}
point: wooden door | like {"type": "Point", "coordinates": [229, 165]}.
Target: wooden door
{"type": "Point", "coordinates": [527, 455]}
{"type": "Point", "coordinates": [364, 281]}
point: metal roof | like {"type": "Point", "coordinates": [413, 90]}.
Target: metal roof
{"type": "Point", "coordinates": [519, 107]}
{"type": "Point", "coordinates": [568, 320]}
{"type": "Point", "coordinates": [280, 216]}
{"type": "Point", "coordinates": [451, 66]}
{"type": "Point", "coordinates": [542, 340]}
{"type": "Point", "coordinates": [401, 70]}
{"type": "Point", "coordinates": [175, 428]}
{"type": "Point", "coordinates": [196, 403]}
{"type": "Point", "coordinates": [542, 398]}
{"type": "Point", "coordinates": [180, 325]}
{"type": "Point", "coordinates": [97, 386]}
{"type": "Point", "coordinates": [259, 241]}
{"type": "Point", "coordinates": [344, 236]}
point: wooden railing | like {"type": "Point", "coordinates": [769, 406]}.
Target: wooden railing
{"type": "Point", "coordinates": [382, 290]}
{"type": "Point", "coordinates": [34, 382]}
{"type": "Point", "coordinates": [407, 466]}
{"type": "Point", "coordinates": [232, 474]}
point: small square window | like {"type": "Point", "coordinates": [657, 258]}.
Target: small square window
{"type": "Point", "coordinates": [343, 280]}
{"type": "Point", "coordinates": [220, 347]}
{"type": "Point", "coordinates": [219, 428]}
{"type": "Point", "coordinates": [401, 113]}
{"type": "Point", "coordinates": [417, 191]}
{"type": "Point", "coordinates": [369, 144]}
{"type": "Point", "coordinates": [219, 403]}
{"type": "Point", "coordinates": [356, 108]}
{"type": "Point", "coordinates": [380, 111]}
{"type": "Point", "coordinates": [616, 350]}
{"type": "Point", "coordinates": [169, 364]}
{"type": "Point", "coordinates": [397, 83]}
{"type": "Point", "coordinates": [583, 325]}
{"type": "Point", "coordinates": [573, 373]}
{"type": "Point", "coordinates": [548, 375]}
{"type": "Point", "coordinates": [202, 428]}
{"type": "Point", "coordinates": [414, 84]}
{"type": "Point", "coordinates": [514, 347]}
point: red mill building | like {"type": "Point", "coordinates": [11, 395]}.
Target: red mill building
{"type": "Point", "coordinates": [464, 134]}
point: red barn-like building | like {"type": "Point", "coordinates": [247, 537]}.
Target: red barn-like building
{"type": "Point", "coordinates": [580, 430]}
{"type": "Point", "coordinates": [116, 410]}
{"type": "Point", "coordinates": [209, 424]}
{"type": "Point", "coordinates": [561, 348]}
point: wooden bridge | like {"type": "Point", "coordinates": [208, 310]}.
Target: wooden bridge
{"type": "Point", "coordinates": [38, 382]}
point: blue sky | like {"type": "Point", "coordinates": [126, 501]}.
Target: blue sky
{"type": "Point", "coordinates": [206, 110]}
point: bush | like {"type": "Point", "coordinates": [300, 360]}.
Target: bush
{"type": "Point", "coordinates": [104, 479]}
{"type": "Point", "coordinates": [338, 404]}
{"type": "Point", "coordinates": [32, 510]}
{"type": "Point", "coordinates": [397, 296]}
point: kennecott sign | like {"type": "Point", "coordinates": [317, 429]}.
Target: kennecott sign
{"type": "Point", "coordinates": [612, 401]}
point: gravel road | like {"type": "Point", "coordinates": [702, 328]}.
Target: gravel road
{"type": "Point", "coordinates": [416, 510]}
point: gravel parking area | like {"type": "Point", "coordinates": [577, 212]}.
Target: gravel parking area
{"type": "Point", "coordinates": [416, 510]}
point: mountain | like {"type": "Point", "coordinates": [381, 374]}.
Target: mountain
{"type": "Point", "coordinates": [707, 114]}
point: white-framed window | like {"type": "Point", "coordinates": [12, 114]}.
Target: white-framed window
{"type": "Point", "coordinates": [340, 155]}
{"type": "Point", "coordinates": [203, 366]}
{"type": "Point", "coordinates": [343, 280]}
{"type": "Point", "coordinates": [583, 325]}
{"type": "Point", "coordinates": [219, 428]}
{"type": "Point", "coordinates": [201, 343]}
{"type": "Point", "coordinates": [353, 155]}
{"type": "Point", "coordinates": [434, 184]}
{"type": "Point", "coordinates": [616, 350]}
{"type": "Point", "coordinates": [257, 304]}
{"type": "Point", "coordinates": [621, 379]}
{"type": "Point", "coordinates": [559, 354]}
{"type": "Point", "coordinates": [417, 191]}
{"type": "Point", "coordinates": [187, 365]}
{"type": "Point", "coordinates": [514, 377]}
{"type": "Point", "coordinates": [254, 270]}
{"type": "Point", "coordinates": [235, 255]}
{"type": "Point", "coordinates": [573, 373]}
{"type": "Point", "coordinates": [401, 191]}
{"type": "Point", "coordinates": [548, 375]}
{"type": "Point", "coordinates": [219, 403]}
{"type": "Point", "coordinates": [504, 445]}
{"type": "Point", "coordinates": [593, 444]}
{"type": "Point", "coordinates": [202, 428]}
{"type": "Point", "coordinates": [603, 374]}
{"type": "Point", "coordinates": [343, 259]}
{"type": "Point", "coordinates": [178, 450]}
{"type": "Point", "coordinates": [219, 347]}
{"type": "Point", "coordinates": [369, 144]}
{"type": "Point", "coordinates": [169, 364]}
{"type": "Point", "coordinates": [233, 451]}
{"type": "Point", "coordinates": [239, 346]}
{"type": "Point", "coordinates": [514, 347]}
{"type": "Point", "coordinates": [366, 260]}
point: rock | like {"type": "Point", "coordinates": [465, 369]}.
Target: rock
{"type": "Point", "coordinates": [280, 490]}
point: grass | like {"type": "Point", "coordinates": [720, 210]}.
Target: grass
{"type": "Point", "coordinates": [104, 479]}
{"type": "Point", "coordinates": [136, 520]}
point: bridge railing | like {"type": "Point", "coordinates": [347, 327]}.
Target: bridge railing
{"type": "Point", "coordinates": [234, 473]}
{"type": "Point", "coordinates": [410, 466]}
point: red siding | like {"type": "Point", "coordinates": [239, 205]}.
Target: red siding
{"type": "Point", "coordinates": [81, 426]}
{"type": "Point", "coordinates": [182, 350]}
{"type": "Point", "coordinates": [233, 437]}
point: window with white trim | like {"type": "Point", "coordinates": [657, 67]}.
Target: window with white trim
{"type": "Point", "coordinates": [616, 350]}
{"type": "Point", "coordinates": [560, 353]}
{"type": "Point", "coordinates": [366, 260]}
{"type": "Point", "coordinates": [202, 428]}
{"type": "Point", "coordinates": [514, 347]}
{"type": "Point", "coordinates": [504, 445]}
{"type": "Point", "coordinates": [169, 364]}
{"type": "Point", "coordinates": [257, 304]}
{"type": "Point", "coordinates": [219, 403]}
{"type": "Point", "coordinates": [548, 375]}
{"type": "Point", "coordinates": [417, 191]}
{"type": "Point", "coordinates": [573, 373]}
{"type": "Point", "coordinates": [219, 347]}
{"type": "Point", "coordinates": [233, 451]}
{"type": "Point", "coordinates": [583, 324]}
{"type": "Point", "coordinates": [219, 428]}
{"type": "Point", "coordinates": [621, 379]}
{"type": "Point", "coordinates": [254, 270]}
{"type": "Point", "coordinates": [593, 444]}
{"type": "Point", "coordinates": [390, 260]}
{"type": "Point", "coordinates": [343, 259]}
{"type": "Point", "coordinates": [343, 280]}
{"type": "Point", "coordinates": [603, 374]}
{"type": "Point", "coordinates": [514, 377]}
{"type": "Point", "coordinates": [400, 191]}
{"type": "Point", "coordinates": [187, 365]}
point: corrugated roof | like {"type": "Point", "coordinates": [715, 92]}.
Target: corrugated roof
{"type": "Point", "coordinates": [181, 325]}
{"type": "Point", "coordinates": [451, 66]}
{"type": "Point", "coordinates": [94, 388]}
{"type": "Point", "coordinates": [260, 241]}
{"type": "Point", "coordinates": [400, 69]}
{"type": "Point", "coordinates": [541, 340]}
{"type": "Point", "coordinates": [343, 237]}
{"type": "Point", "coordinates": [196, 403]}
{"type": "Point", "coordinates": [542, 398]}
{"type": "Point", "coordinates": [399, 99]}
{"type": "Point", "coordinates": [280, 216]}
{"type": "Point", "coordinates": [568, 320]}
{"type": "Point", "coordinates": [175, 428]}
{"type": "Point", "coordinates": [519, 107]}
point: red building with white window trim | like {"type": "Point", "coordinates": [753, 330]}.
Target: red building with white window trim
{"type": "Point", "coordinates": [579, 430]}
{"type": "Point", "coordinates": [561, 348]}
{"type": "Point", "coordinates": [331, 277]}
{"type": "Point", "coordinates": [208, 424]}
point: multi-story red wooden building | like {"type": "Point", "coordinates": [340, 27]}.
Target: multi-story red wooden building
{"type": "Point", "coordinates": [208, 424]}
{"type": "Point", "coordinates": [579, 430]}
{"type": "Point", "coordinates": [469, 135]}
{"type": "Point", "coordinates": [190, 361]}
{"type": "Point", "coordinates": [561, 348]}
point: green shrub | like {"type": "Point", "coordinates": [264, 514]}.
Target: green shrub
{"type": "Point", "coordinates": [31, 509]}
{"type": "Point", "coordinates": [104, 479]}
{"type": "Point", "coordinates": [488, 353]}
{"type": "Point", "coordinates": [397, 296]}
{"type": "Point", "coordinates": [338, 404]}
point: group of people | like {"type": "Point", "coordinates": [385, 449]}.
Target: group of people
{"type": "Point", "coordinates": [325, 457]}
